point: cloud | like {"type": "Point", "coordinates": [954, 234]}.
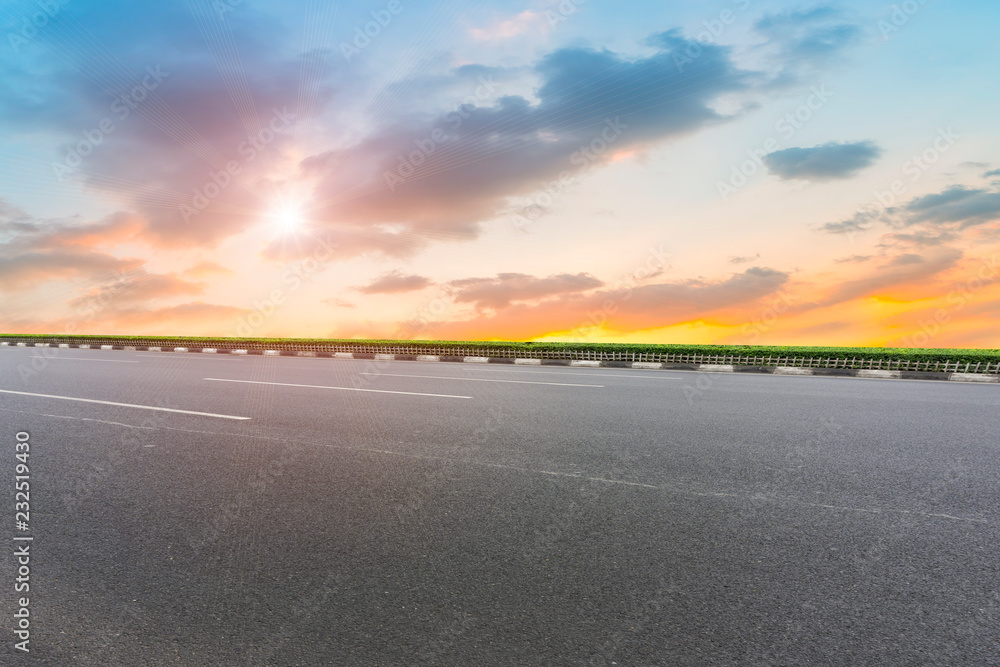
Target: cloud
{"type": "Point", "coordinates": [138, 286]}
{"type": "Point", "coordinates": [905, 270]}
{"type": "Point", "coordinates": [932, 219]}
{"type": "Point", "coordinates": [112, 230]}
{"type": "Point", "coordinates": [205, 269]}
{"type": "Point", "coordinates": [955, 205]}
{"type": "Point", "coordinates": [23, 269]}
{"type": "Point", "coordinates": [194, 316]}
{"type": "Point", "coordinates": [854, 259]}
{"type": "Point", "coordinates": [744, 260]}
{"type": "Point", "coordinates": [694, 297]}
{"type": "Point", "coordinates": [622, 309]}
{"type": "Point", "coordinates": [825, 162]}
{"type": "Point", "coordinates": [333, 241]}
{"type": "Point", "coordinates": [524, 22]}
{"type": "Point", "coordinates": [395, 282]}
{"type": "Point", "coordinates": [339, 303]}
{"type": "Point", "coordinates": [906, 259]}
{"type": "Point", "coordinates": [506, 288]}
{"type": "Point", "coordinates": [37, 250]}
{"type": "Point", "coordinates": [191, 319]}
{"type": "Point", "coordinates": [466, 144]}
{"type": "Point", "coordinates": [434, 177]}
{"type": "Point", "coordinates": [806, 38]}
{"type": "Point", "coordinates": [992, 173]}
{"type": "Point", "coordinates": [920, 238]}
{"type": "Point", "coordinates": [180, 136]}
{"type": "Point", "coordinates": [859, 222]}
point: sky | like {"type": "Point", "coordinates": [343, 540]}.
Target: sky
{"type": "Point", "coordinates": [727, 172]}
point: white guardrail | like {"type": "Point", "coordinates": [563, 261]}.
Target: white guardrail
{"type": "Point", "coordinates": [487, 352]}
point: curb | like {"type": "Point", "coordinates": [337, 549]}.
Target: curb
{"type": "Point", "coordinates": [871, 374]}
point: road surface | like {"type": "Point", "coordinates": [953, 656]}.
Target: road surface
{"type": "Point", "coordinates": [212, 510]}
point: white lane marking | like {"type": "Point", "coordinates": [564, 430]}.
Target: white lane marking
{"type": "Point", "coordinates": [110, 361]}
{"type": "Point", "coordinates": [604, 480]}
{"type": "Point", "coordinates": [316, 386]}
{"type": "Point", "coordinates": [122, 405]}
{"type": "Point", "coordinates": [448, 377]}
{"type": "Point", "coordinates": [86, 419]}
{"type": "Point", "coordinates": [499, 466]}
{"type": "Point", "coordinates": [887, 511]}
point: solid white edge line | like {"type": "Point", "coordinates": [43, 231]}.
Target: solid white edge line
{"type": "Point", "coordinates": [123, 405]}
{"type": "Point", "coordinates": [448, 377]}
{"type": "Point", "coordinates": [317, 386]}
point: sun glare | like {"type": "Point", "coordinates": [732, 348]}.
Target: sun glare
{"type": "Point", "coordinates": [287, 218]}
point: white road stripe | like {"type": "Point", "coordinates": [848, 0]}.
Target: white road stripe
{"type": "Point", "coordinates": [88, 419]}
{"type": "Point", "coordinates": [111, 361]}
{"type": "Point", "coordinates": [316, 386]}
{"type": "Point", "coordinates": [122, 405]}
{"type": "Point", "coordinates": [447, 377]}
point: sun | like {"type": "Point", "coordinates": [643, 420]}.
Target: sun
{"type": "Point", "coordinates": [287, 218]}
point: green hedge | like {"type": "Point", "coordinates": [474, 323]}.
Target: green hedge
{"type": "Point", "coordinates": [902, 354]}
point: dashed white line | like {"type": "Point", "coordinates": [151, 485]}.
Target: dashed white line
{"type": "Point", "coordinates": [122, 405]}
{"type": "Point", "coordinates": [316, 386]}
{"type": "Point", "coordinates": [88, 419]}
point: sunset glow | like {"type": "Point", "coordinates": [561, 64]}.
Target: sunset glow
{"type": "Point", "coordinates": [673, 173]}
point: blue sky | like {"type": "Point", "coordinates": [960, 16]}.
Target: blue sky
{"type": "Point", "coordinates": [732, 171]}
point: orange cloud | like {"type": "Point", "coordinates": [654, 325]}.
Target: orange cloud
{"type": "Point", "coordinates": [207, 269]}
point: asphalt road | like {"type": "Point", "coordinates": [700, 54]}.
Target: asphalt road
{"type": "Point", "coordinates": [455, 514]}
